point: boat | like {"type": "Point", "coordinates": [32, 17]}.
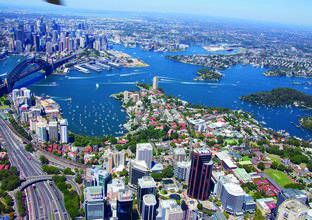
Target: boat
{"type": "Point", "coordinates": [97, 85]}
{"type": "Point", "coordinates": [54, 84]}
{"type": "Point", "coordinates": [5, 63]}
{"type": "Point", "coordinates": [47, 96]}
{"type": "Point", "coordinates": [19, 60]}
{"type": "Point", "coordinates": [69, 99]}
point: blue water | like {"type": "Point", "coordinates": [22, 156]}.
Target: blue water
{"type": "Point", "coordinates": [92, 105]}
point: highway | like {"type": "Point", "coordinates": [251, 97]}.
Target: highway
{"type": "Point", "coordinates": [43, 198]}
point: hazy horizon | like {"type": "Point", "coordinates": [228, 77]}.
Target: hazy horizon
{"type": "Point", "coordinates": [284, 12]}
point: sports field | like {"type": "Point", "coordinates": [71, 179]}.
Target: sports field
{"type": "Point", "coordinates": [278, 176]}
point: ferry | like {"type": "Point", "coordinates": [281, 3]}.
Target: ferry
{"type": "Point", "coordinates": [54, 84]}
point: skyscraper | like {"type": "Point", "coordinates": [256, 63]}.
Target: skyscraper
{"type": "Point", "coordinates": [94, 203]}
{"type": "Point", "coordinates": [64, 131]}
{"type": "Point", "coordinates": [137, 170]}
{"type": "Point", "coordinates": [146, 185]}
{"type": "Point", "coordinates": [53, 131]}
{"type": "Point", "coordinates": [155, 82]}
{"type": "Point", "coordinates": [42, 132]}
{"type": "Point", "coordinates": [149, 207]}
{"type": "Point", "coordinates": [200, 174]}
{"type": "Point", "coordinates": [124, 205]}
{"type": "Point", "coordinates": [145, 152]}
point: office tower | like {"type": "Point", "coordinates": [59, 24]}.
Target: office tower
{"type": "Point", "coordinates": [100, 178]}
{"type": "Point", "coordinates": [230, 193]}
{"type": "Point", "coordinates": [126, 96]}
{"type": "Point", "coordinates": [110, 162]}
{"type": "Point", "coordinates": [169, 210]}
{"type": "Point", "coordinates": [18, 46]}
{"type": "Point", "coordinates": [11, 46]}
{"type": "Point", "coordinates": [94, 203]}
{"type": "Point", "coordinates": [149, 207]}
{"type": "Point", "coordinates": [179, 154]}
{"type": "Point", "coordinates": [27, 93]}
{"type": "Point", "coordinates": [61, 46]}
{"type": "Point", "coordinates": [49, 47]}
{"type": "Point", "coordinates": [200, 174]}
{"type": "Point", "coordinates": [15, 94]}
{"type": "Point", "coordinates": [120, 158]}
{"type": "Point", "coordinates": [54, 36]}
{"type": "Point", "coordinates": [36, 43]}
{"type": "Point", "coordinates": [285, 194]}
{"type": "Point", "coordinates": [124, 205]}
{"type": "Point", "coordinates": [114, 187]}
{"type": "Point", "coordinates": [137, 170]}
{"type": "Point", "coordinates": [97, 45]}
{"type": "Point", "coordinates": [292, 209]}
{"type": "Point", "coordinates": [42, 132]}
{"type": "Point", "coordinates": [144, 152]}
{"type": "Point", "coordinates": [155, 82]}
{"type": "Point", "coordinates": [70, 45]}
{"type": "Point", "coordinates": [64, 131]}
{"type": "Point", "coordinates": [182, 171]}
{"type": "Point", "coordinates": [19, 33]}
{"type": "Point", "coordinates": [146, 185]}
{"type": "Point", "coordinates": [53, 130]}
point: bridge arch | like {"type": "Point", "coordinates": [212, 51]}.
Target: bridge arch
{"type": "Point", "coordinates": [17, 73]}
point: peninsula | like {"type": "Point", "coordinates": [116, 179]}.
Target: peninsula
{"type": "Point", "coordinates": [280, 96]}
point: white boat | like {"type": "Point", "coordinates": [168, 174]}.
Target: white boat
{"type": "Point", "coordinates": [97, 85]}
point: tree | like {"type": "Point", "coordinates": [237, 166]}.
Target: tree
{"type": "Point", "coordinates": [281, 167]}
{"type": "Point", "coordinates": [209, 212]}
{"type": "Point", "coordinates": [29, 148]}
{"type": "Point", "coordinates": [157, 176]}
{"type": "Point", "coordinates": [43, 159]}
{"type": "Point", "coordinates": [274, 165]}
{"type": "Point", "coordinates": [261, 166]}
{"type": "Point", "coordinates": [167, 172]}
{"type": "Point", "coordinates": [200, 206]}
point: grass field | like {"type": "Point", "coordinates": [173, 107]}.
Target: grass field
{"type": "Point", "coordinates": [4, 107]}
{"type": "Point", "coordinates": [278, 176]}
{"type": "Point", "coordinates": [275, 159]}
{"type": "Point", "coordinates": [231, 142]}
{"type": "Point", "coordinates": [245, 158]}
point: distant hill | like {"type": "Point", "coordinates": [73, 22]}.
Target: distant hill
{"type": "Point", "coordinates": [280, 96]}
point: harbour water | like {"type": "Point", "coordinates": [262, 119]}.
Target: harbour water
{"type": "Point", "coordinates": [93, 112]}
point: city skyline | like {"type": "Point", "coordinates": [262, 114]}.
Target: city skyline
{"type": "Point", "coordinates": [267, 11]}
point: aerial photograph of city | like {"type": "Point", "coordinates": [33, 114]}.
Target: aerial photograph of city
{"type": "Point", "coordinates": [155, 110]}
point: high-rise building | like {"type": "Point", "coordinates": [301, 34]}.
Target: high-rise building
{"type": "Point", "coordinates": [135, 97]}
{"type": "Point", "coordinates": [230, 193]}
{"type": "Point", "coordinates": [126, 96]}
{"type": "Point", "coordinates": [18, 46]}
{"type": "Point", "coordinates": [99, 177]}
{"type": "Point", "coordinates": [64, 131]}
{"type": "Point", "coordinates": [179, 154]}
{"type": "Point", "coordinates": [110, 162]}
{"type": "Point", "coordinates": [200, 174]}
{"type": "Point", "coordinates": [169, 210]}
{"type": "Point", "coordinates": [155, 82]}
{"type": "Point", "coordinates": [42, 132]}
{"type": "Point", "coordinates": [292, 209]}
{"type": "Point", "coordinates": [120, 158]}
{"type": "Point", "coordinates": [145, 152]}
{"type": "Point", "coordinates": [124, 205]}
{"type": "Point", "coordinates": [94, 203]}
{"type": "Point", "coordinates": [146, 185]}
{"type": "Point", "coordinates": [182, 170]}
{"type": "Point", "coordinates": [53, 130]}
{"type": "Point", "coordinates": [285, 194]}
{"type": "Point", "coordinates": [137, 170]}
{"type": "Point", "coordinates": [149, 207]}
{"type": "Point", "coordinates": [49, 48]}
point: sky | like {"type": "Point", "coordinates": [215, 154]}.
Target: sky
{"type": "Point", "coordinates": [297, 12]}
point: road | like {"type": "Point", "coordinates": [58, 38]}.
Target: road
{"type": "Point", "coordinates": [42, 198]}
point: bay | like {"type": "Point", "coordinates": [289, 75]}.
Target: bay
{"type": "Point", "coordinates": [93, 112]}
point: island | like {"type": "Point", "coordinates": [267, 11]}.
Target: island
{"type": "Point", "coordinates": [275, 72]}
{"type": "Point", "coordinates": [208, 75]}
{"type": "Point", "coordinates": [280, 96]}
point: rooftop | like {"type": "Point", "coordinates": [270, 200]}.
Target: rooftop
{"type": "Point", "coordinates": [124, 195]}
{"type": "Point", "coordinates": [94, 193]}
{"type": "Point", "coordinates": [202, 151]}
{"type": "Point", "coordinates": [149, 199]}
{"type": "Point", "coordinates": [146, 182]}
{"type": "Point", "coordinates": [144, 146]}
